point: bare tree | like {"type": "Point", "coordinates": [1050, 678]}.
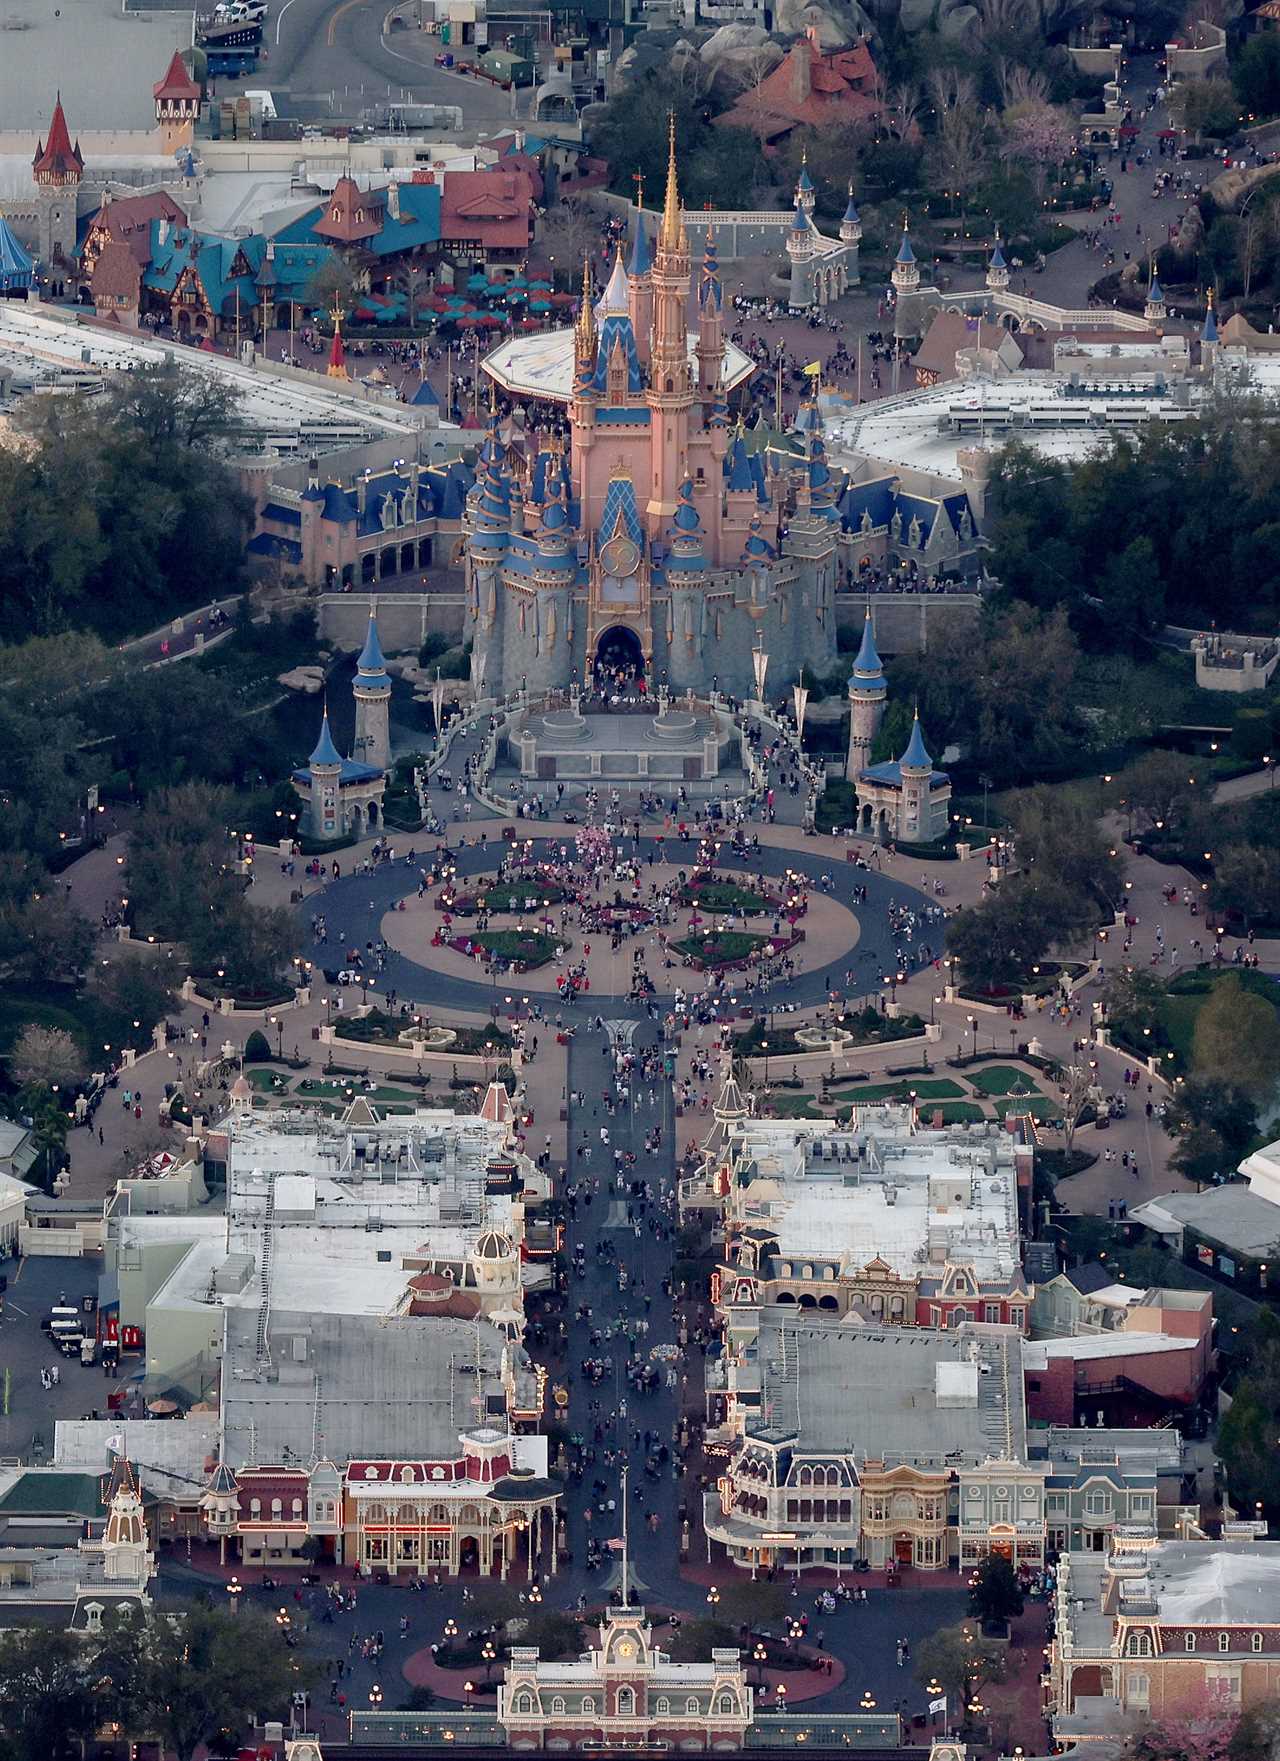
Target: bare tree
{"type": "Point", "coordinates": [903, 109]}
{"type": "Point", "coordinates": [569, 231]}
{"type": "Point", "coordinates": [1257, 234]}
{"type": "Point", "coordinates": [1078, 1085]}
{"type": "Point", "coordinates": [46, 1057]}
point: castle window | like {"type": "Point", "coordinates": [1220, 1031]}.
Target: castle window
{"type": "Point", "coordinates": [1139, 1645]}
{"type": "Point", "coordinates": [1224, 1641]}
{"type": "Point", "coordinates": [626, 1702]}
{"type": "Point", "coordinates": [588, 1704]}
{"type": "Point", "coordinates": [663, 1707]}
{"type": "Point", "coordinates": [1189, 1642]}
{"type": "Point", "coordinates": [557, 1704]}
{"type": "Point", "coordinates": [522, 1703]}
{"type": "Point", "coordinates": [691, 1705]}
{"type": "Point", "coordinates": [1255, 1641]}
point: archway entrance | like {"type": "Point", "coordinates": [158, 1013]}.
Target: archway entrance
{"type": "Point", "coordinates": [619, 658]}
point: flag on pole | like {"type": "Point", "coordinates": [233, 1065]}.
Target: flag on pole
{"type": "Point", "coordinates": [812, 368]}
{"type": "Point", "coordinates": [616, 1544]}
{"type": "Point", "coordinates": [936, 1707]}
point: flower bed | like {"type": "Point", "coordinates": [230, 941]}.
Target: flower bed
{"type": "Point", "coordinates": [531, 895]}
{"type": "Point", "coordinates": [732, 948]}
{"type": "Point", "coordinates": [723, 897]}
{"type": "Point", "coordinates": [524, 949]}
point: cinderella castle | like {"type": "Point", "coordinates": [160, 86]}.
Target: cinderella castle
{"type": "Point", "coordinates": [657, 546]}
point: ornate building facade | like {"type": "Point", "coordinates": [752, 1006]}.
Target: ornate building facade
{"type": "Point", "coordinates": [658, 545]}
{"type": "Point", "coordinates": [625, 1694]}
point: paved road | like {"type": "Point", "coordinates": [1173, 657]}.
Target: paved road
{"type": "Point", "coordinates": [330, 59]}
{"type": "Point", "coordinates": [354, 905]}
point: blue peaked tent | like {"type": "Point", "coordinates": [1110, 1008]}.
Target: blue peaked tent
{"type": "Point", "coordinates": [16, 266]}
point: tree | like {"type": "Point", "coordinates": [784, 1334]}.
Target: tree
{"type": "Point", "coordinates": [996, 1595]}
{"type": "Point", "coordinates": [1246, 1436]}
{"type": "Point", "coordinates": [570, 232]}
{"type": "Point", "coordinates": [1039, 135]}
{"type": "Point", "coordinates": [335, 284]}
{"type": "Point", "coordinates": [1132, 1004]}
{"type": "Point", "coordinates": [1205, 107]}
{"type": "Point", "coordinates": [170, 408]}
{"type": "Point", "coordinates": [206, 1672]}
{"type": "Point", "coordinates": [46, 1057]}
{"type": "Point", "coordinates": [1058, 838]}
{"type": "Point", "coordinates": [1246, 881]}
{"type": "Point", "coordinates": [959, 1661]}
{"type": "Point", "coordinates": [697, 1639]}
{"type": "Point", "coordinates": [47, 1699]}
{"type": "Point", "coordinates": [998, 941]}
{"type": "Point", "coordinates": [1200, 1739]}
{"type": "Point", "coordinates": [1237, 1039]}
{"type": "Point", "coordinates": [1212, 1123]}
{"type": "Point", "coordinates": [1163, 790]}
{"type": "Point", "coordinates": [1255, 74]}
{"type": "Point", "coordinates": [135, 987]}
{"type": "Point", "coordinates": [1079, 1083]}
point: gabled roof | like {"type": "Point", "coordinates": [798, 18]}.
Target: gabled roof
{"type": "Point", "coordinates": [809, 88]}
{"type": "Point", "coordinates": [129, 218]}
{"type": "Point", "coordinates": [351, 214]}
{"type": "Point", "coordinates": [492, 207]}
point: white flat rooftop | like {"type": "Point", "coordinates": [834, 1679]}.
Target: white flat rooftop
{"type": "Point", "coordinates": [916, 432]}
{"type": "Point", "coordinates": [103, 57]}
{"type": "Point", "coordinates": [270, 405]}
{"type": "Point", "coordinates": [1038, 1352]}
{"type": "Point", "coordinates": [914, 1199]}
{"type": "Point", "coordinates": [541, 365]}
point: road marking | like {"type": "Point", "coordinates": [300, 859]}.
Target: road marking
{"type": "Point", "coordinates": [331, 35]}
{"type": "Point", "coordinates": [12, 1307]}
{"type": "Point", "coordinates": [280, 19]}
{"type": "Point", "coordinates": [22, 1266]}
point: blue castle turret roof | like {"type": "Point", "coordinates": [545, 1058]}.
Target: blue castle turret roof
{"type": "Point", "coordinates": [868, 668]}
{"type": "Point", "coordinates": [326, 753]}
{"type": "Point", "coordinates": [916, 757]}
{"type": "Point", "coordinates": [371, 668]}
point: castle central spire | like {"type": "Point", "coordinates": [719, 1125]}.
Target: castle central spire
{"type": "Point", "coordinates": [671, 236]}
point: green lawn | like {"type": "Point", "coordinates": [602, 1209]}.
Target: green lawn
{"type": "Point", "coordinates": [1188, 993]}
{"type": "Point", "coordinates": [529, 946]}
{"type": "Point", "coordinates": [720, 946]}
{"type": "Point", "coordinates": [262, 1076]}
{"type": "Point", "coordinates": [724, 896]}
{"type": "Point", "coordinates": [1039, 1106]}
{"type": "Point", "coordinates": [784, 1105]}
{"type": "Point", "coordinates": [1001, 1079]}
{"type": "Point", "coordinates": [926, 1088]}
{"type": "Point", "coordinates": [317, 1088]}
{"type": "Point", "coordinates": [958, 1112]}
{"type": "Point", "coordinates": [511, 895]}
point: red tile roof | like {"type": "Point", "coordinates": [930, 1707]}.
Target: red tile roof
{"type": "Point", "coordinates": [127, 220]}
{"type": "Point", "coordinates": [351, 213]}
{"type": "Point", "coordinates": [117, 272]}
{"type": "Point", "coordinates": [809, 89]}
{"type": "Point", "coordinates": [493, 208]}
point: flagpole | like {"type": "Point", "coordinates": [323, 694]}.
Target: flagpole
{"type": "Point", "coordinates": [859, 369]}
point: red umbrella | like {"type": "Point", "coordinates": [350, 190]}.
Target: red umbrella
{"type": "Point", "coordinates": [563, 299]}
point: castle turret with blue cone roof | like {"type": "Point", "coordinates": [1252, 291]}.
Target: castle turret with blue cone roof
{"type": "Point", "coordinates": [902, 800]}
{"type": "Point", "coordinates": [342, 797]}
{"type": "Point", "coordinates": [867, 693]}
{"type": "Point", "coordinates": [372, 691]}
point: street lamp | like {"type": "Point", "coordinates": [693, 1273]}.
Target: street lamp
{"type": "Point", "coordinates": [450, 1629]}
{"type": "Point", "coordinates": [760, 1656]}
{"type": "Point", "coordinates": [713, 1596]}
{"type": "Point", "coordinates": [468, 1688]}
{"type": "Point", "coordinates": [235, 1590]}
{"type": "Point", "coordinates": [781, 1692]}
{"type": "Point", "coordinates": [867, 1702]}
{"type": "Point", "coordinates": [489, 1654]}
{"type": "Point", "coordinates": [375, 1697]}
{"type": "Point", "coordinates": [973, 1023]}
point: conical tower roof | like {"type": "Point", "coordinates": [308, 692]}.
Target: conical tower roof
{"type": "Point", "coordinates": [851, 212]}
{"type": "Point", "coordinates": [56, 157]}
{"type": "Point", "coordinates": [614, 301]}
{"type": "Point", "coordinates": [905, 253]}
{"type": "Point", "coordinates": [1209, 333]}
{"type": "Point", "coordinates": [641, 257]}
{"type": "Point", "coordinates": [326, 753]}
{"type": "Point", "coordinates": [916, 757]}
{"type": "Point", "coordinates": [371, 667]}
{"type": "Point", "coordinates": [867, 667]}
